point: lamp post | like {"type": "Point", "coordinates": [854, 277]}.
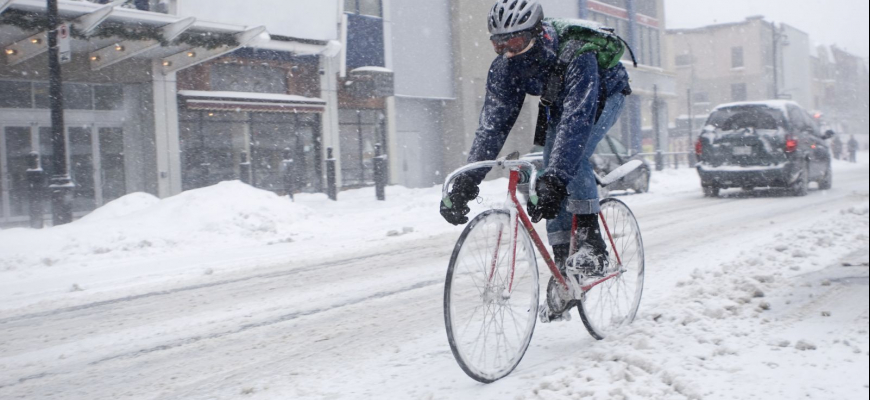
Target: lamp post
{"type": "Point", "coordinates": [61, 186]}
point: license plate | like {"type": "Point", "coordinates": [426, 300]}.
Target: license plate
{"type": "Point", "coordinates": [741, 151]}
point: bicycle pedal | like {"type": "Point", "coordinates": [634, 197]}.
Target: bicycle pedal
{"type": "Point", "coordinates": [547, 316]}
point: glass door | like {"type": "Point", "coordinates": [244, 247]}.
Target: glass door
{"type": "Point", "coordinates": [113, 177]}
{"type": "Point", "coordinates": [81, 168]}
{"type": "Point", "coordinates": [15, 146]}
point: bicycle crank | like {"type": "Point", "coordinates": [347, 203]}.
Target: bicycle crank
{"type": "Point", "coordinates": [547, 316]}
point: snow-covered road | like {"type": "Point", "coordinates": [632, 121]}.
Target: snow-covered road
{"type": "Point", "coordinates": [746, 296]}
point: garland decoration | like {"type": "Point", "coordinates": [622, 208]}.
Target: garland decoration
{"type": "Point", "coordinates": [39, 22]}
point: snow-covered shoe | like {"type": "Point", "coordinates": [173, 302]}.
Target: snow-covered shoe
{"type": "Point", "coordinates": [588, 261]}
{"type": "Point", "coordinates": [591, 258]}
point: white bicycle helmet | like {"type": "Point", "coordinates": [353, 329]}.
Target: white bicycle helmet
{"type": "Point", "coordinates": [511, 16]}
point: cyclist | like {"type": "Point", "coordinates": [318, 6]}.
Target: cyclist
{"type": "Point", "coordinates": [585, 102]}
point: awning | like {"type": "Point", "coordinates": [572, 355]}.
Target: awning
{"type": "Point", "coordinates": [255, 102]}
{"type": "Point", "coordinates": [185, 41]}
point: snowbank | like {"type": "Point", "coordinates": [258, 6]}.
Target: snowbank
{"type": "Point", "coordinates": [772, 324]}
{"type": "Point", "coordinates": [136, 225]}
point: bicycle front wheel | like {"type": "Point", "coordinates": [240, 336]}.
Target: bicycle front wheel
{"type": "Point", "coordinates": [614, 303]}
{"type": "Point", "coordinates": [490, 302]}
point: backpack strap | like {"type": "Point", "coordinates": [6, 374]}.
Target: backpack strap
{"type": "Point", "coordinates": [552, 89]}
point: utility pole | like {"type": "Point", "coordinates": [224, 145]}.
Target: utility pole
{"type": "Point", "coordinates": [775, 64]}
{"type": "Point", "coordinates": [691, 127]}
{"type": "Point", "coordinates": [61, 186]}
{"type": "Point", "coordinates": [660, 161]}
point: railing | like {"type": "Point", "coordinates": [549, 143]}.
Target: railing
{"type": "Point", "coordinates": [663, 160]}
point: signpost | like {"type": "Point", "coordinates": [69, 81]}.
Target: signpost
{"type": "Point", "coordinates": [63, 43]}
{"type": "Point", "coordinates": [61, 185]}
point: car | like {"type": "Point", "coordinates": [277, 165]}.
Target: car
{"type": "Point", "coordinates": [609, 155]}
{"type": "Point", "coordinates": [763, 144]}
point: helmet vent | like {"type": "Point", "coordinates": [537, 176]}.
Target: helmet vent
{"type": "Point", "coordinates": [525, 18]}
{"type": "Point", "coordinates": [512, 16]}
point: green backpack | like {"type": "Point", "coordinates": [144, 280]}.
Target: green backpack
{"type": "Point", "coordinates": [578, 37]}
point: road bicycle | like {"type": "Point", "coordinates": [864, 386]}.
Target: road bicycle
{"type": "Point", "coordinates": [491, 296]}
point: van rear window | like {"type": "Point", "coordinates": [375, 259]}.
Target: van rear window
{"type": "Point", "coordinates": [758, 117]}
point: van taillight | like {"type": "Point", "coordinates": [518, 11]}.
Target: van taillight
{"type": "Point", "coordinates": [699, 148]}
{"type": "Point", "coordinates": [791, 145]}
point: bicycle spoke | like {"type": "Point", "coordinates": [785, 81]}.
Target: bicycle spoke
{"type": "Point", "coordinates": [491, 325]}
{"type": "Point", "coordinates": [613, 303]}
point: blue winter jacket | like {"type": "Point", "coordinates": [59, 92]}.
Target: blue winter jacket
{"type": "Point", "coordinates": [572, 115]}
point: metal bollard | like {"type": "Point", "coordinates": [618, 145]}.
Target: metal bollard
{"type": "Point", "coordinates": [380, 165]}
{"type": "Point", "coordinates": [660, 161]}
{"type": "Point", "coordinates": [287, 173]}
{"type": "Point", "coordinates": [36, 190]}
{"type": "Point", "coordinates": [245, 169]}
{"type": "Point", "coordinates": [331, 190]}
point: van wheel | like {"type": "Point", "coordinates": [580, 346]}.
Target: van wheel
{"type": "Point", "coordinates": [711, 191]}
{"type": "Point", "coordinates": [800, 187]}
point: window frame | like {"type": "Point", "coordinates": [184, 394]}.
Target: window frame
{"type": "Point", "coordinates": [738, 54]}
{"type": "Point", "coordinates": [357, 9]}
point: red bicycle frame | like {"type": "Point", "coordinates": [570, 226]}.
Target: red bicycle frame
{"type": "Point", "coordinates": [527, 223]}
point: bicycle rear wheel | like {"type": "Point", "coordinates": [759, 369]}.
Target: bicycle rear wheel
{"type": "Point", "coordinates": [614, 303]}
{"type": "Point", "coordinates": [490, 309]}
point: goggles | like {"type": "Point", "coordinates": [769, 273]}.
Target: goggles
{"type": "Point", "coordinates": [513, 43]}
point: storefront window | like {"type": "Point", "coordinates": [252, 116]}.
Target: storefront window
{"type": "Point", "coordinates": [40, 95]}
{"type": "Point", "coordinates": [77, 96]}
{"type": "Point", "coordinates": [108, 97]}
{"type": "Point", "coordinates": [248, 78]}
{"type": "Point", "coordinates": [212, 143]}
{"type": "Point", "coordinates": [361, 131]}
{"type": "Point", "coordinates": [15, 94]}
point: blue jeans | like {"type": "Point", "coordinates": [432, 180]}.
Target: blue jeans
{"type": "Point", "coordinates": [582, 189]}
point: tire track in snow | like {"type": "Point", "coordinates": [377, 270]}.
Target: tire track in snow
{"type": "Point", "coordinates": [278, 274]}
{"type": "Point", "coordinates": [241, 329]}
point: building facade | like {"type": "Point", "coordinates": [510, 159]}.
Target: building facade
{"type": "Point", "coordinates": [159, 98]}
{"type": "Point", "coordinates": [744, 61]}
{"type": "Point", "coordinates": [249, 93]}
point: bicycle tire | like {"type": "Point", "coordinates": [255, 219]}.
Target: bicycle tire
{"type": "Point", "coordinates": [593, 303]}
{"type": "Point", "coordinates": [472, 257]}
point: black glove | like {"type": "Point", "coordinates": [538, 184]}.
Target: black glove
{"type": "Point", "coordinates": [551, 193]}
{"type": "Point", "coordinates": [464, 190]}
